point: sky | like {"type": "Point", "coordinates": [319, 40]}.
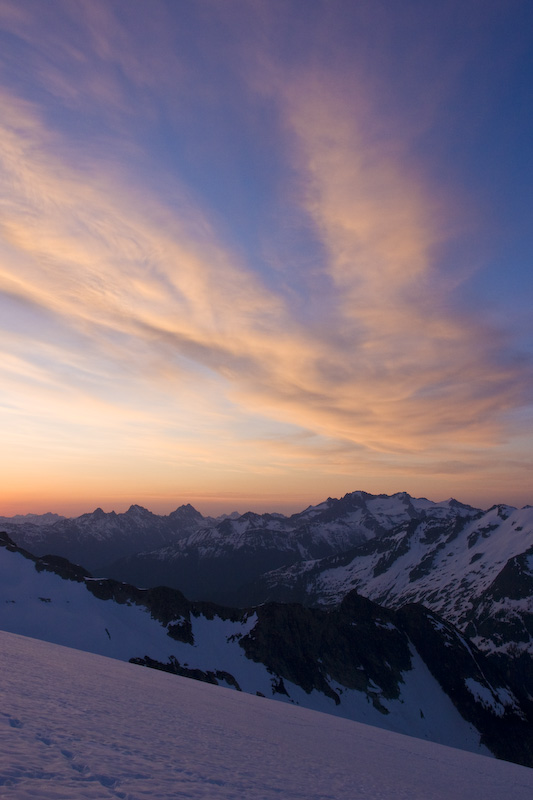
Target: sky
{"type": "Point", "coordinates": [252, 257]}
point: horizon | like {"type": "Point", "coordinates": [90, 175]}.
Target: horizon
{"type": "Point", "coordinates": [254, 258]}
{"type": "Point", "coordinates": [215, 509]}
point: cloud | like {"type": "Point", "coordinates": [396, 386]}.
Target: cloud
{"type": "Point", "coordinates": [386, 368]}
{"type": "Point", "coordinates": [128, 307]}
{"type": "Point", "coordinates": [140, 320]}
{"type": "Point", "coordinates": [402, 368]}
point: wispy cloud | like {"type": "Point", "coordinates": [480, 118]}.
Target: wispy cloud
{"type": "Point", "coordinates": [402, 367]}
{"type": "Point", "coordinates": [386, 368]}
{"type": "Point", "coordinates": [146, 334]}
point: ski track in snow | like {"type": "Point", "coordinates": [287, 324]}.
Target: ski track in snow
{"type": "Point", "coordinates": [78, 725]}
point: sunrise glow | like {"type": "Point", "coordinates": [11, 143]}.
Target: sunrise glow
{"type": "Point", "coordinates": [251, 257]}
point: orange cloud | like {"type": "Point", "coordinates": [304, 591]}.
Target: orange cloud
{"type": "Point", "coordinates": [152, 341]}
{"type": "Point", "coordinates": [400, 370]}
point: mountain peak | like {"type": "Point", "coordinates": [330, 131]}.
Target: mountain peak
{"type": "Point", "coordinates": [402, 496]}
{"type": "Point", "coordinates": [138, 510]}
{"type": "Point", "coordinates": [186, 510]}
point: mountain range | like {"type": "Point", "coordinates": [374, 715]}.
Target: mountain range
{"type": "Point", "coordinates": [408, 670]}
{"type": "Point", "coordinates": [474, 567]}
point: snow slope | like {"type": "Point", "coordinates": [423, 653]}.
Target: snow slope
{"type": "Point", "coordinates": [77, 726]}
{"type": "Point", "coordinates": [44, 605]}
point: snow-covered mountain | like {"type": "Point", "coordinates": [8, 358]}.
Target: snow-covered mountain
{"type": "Point", "coordinates": [75, 725]}
{"type": "Point", "coordinates": [214, 559]}
{"type": "Point", "coordinates": [98, 537]}
{"type": "Point", "coordinates": [448, 560]}
{"type": "Point", "coordinates": [473, 567]}
{"type": "Point", "coordinates": [408, 671]}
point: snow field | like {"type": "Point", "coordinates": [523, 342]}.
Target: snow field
{"type": "Point", "coordinates": [44, 606]}
{"type": "Point", "coordinates": [76, 725]}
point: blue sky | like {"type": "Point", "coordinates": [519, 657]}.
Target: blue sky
{"type": "Point", "coordinates": [252, 256]}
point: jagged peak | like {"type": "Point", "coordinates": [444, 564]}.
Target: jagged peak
{"type": "Point", "coordinates": [136, 509]}
{"type": "Point", "coordinates": [402, 496]}
{"type": "Point", "coordinates": [502, 510]}
{"type": "Point", "coordinates": [188, 507]}
{"type": "Point", "coordinates": [185, 509]}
